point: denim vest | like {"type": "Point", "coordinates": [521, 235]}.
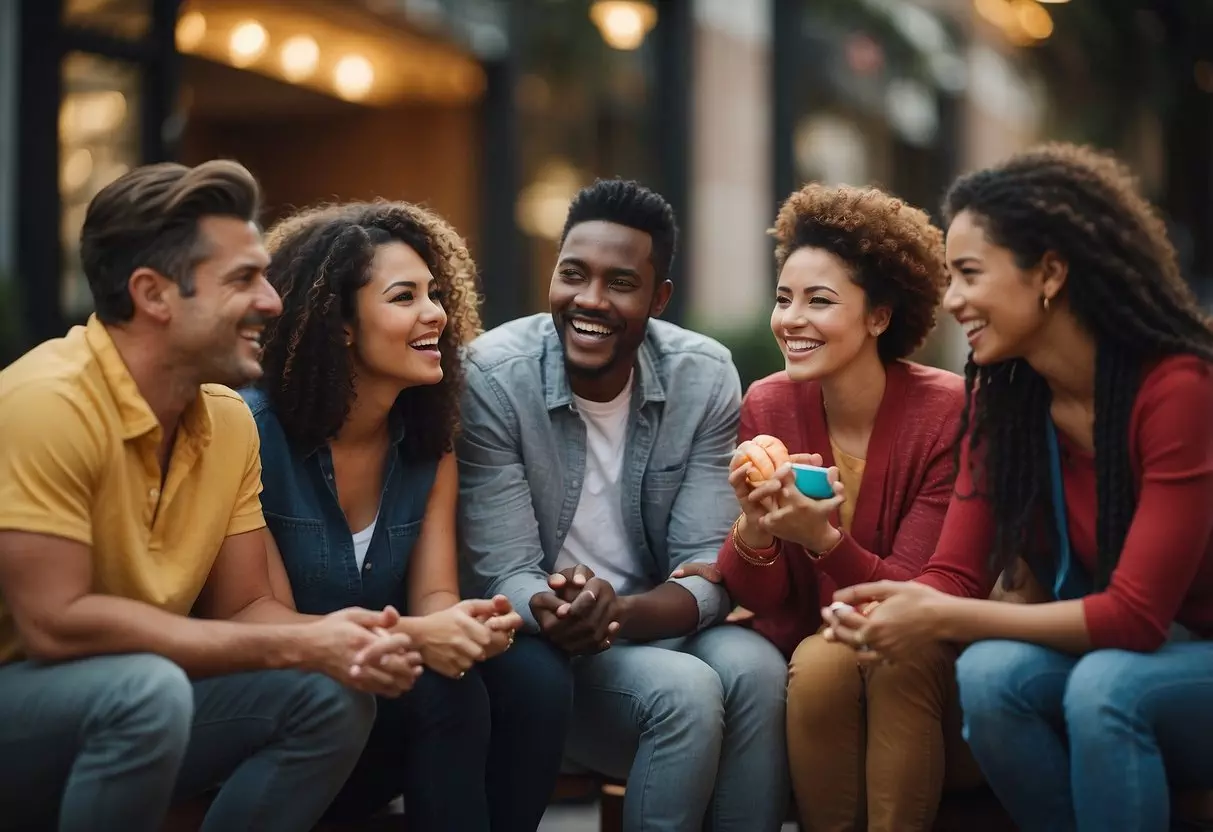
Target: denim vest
{"type": "Point", "coordinates": [299, 499]}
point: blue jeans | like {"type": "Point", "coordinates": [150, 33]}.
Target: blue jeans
{"type": "Point", "coordinates": [695, 725]}
{"type": "Point", "coordinates": [473, 754]}
{"type": "Point", "coordinates": [1093, 742]}
{"type": "Point", "coordinates": [108, 742]}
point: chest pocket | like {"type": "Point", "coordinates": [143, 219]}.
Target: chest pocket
{"type": "Point", "coordinates": [304, 547]}
{"type": "Point", "coordinates": [661, 487]}
{"type": "Point", "coordinates": [402, 539]}
{"type": "Point", "coordinates": [385, 582]}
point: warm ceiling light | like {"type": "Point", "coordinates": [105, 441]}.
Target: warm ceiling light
{"type": "Point", "coordinates": [1033, 19]}
{"type": "Point", "coordinates": [247, 42]}
{"type": "Point", "coordinates": [299, 57]}
{"type": "Point", "coordinates": [191, 28]}
{"type": "Point", "coordinates": [353, 77]}
{"type": "Point", "coordinates": [623, 23]}
{"type": "Point", "coordinates": [1059, 2]}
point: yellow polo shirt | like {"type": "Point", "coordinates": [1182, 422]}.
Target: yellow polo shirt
{"type": "Point", "coordinates": [78, 460]}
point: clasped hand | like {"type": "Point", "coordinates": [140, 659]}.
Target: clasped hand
{"type": "Point", "coordinates": [777, 508]}
{"type": "Point", "coordinates": [454, 639]}
{"type": "Point", "coordinates": [359, 648]}
{"type": "Point", "coordinates": [581, 614]}
{"type": "Point", "coordinates": [888, 620]}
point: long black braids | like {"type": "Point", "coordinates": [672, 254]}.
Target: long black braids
{"type": "Point", "coordinates": [1123, 285]}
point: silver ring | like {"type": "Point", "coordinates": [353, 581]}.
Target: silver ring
{"type": "Point", "coordinates": [862, 647]}
{"type": "Point", "coordinates": [462, 673]}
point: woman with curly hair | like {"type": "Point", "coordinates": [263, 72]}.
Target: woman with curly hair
{"type": "Point", "coordinates": [860, 277]}
{"type": "Point", "coordinates": [1089, 455]}
{"type": "Point", "coordinates": [357, 413]}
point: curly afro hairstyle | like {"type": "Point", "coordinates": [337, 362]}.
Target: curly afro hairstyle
{"type": "Point", "coordinates": [320, 258]}
{"type": "Point", "coordinates": [1124, 287]}
{"type": "Point", "coordinates": [894, 252]}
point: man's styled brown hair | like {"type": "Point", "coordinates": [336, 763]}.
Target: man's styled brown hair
{"type": "Point", "coordinates": [148, 218]}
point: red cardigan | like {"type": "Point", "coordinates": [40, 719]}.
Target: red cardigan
{"type": "Point", "coordinates": [1165, 571]}
{"type": "Point", "coordinates": [903, 497]}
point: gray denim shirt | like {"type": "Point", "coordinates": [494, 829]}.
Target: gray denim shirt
{"type": "Point", "coordinates": [522, 456]}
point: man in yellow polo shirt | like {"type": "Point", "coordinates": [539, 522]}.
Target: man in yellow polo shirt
{"type": "Point", "coordinates": [142, 654]}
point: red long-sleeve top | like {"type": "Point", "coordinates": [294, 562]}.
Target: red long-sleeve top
{"type": "Point", "coordinates": [903, 496]}
{"type": "Point", "coordinates": [1165, 571]}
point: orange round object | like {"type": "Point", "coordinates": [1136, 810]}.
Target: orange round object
{"type": "Point", "coordinates": [765, 453]}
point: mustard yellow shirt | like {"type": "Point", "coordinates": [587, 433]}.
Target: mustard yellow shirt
{"type": "Point", "coordinates": [850, 471]}
{"type": "Point", "coordinates": [78, 460]}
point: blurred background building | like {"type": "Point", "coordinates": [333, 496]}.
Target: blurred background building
{"type": "Point", "coordinates": [494, 112]}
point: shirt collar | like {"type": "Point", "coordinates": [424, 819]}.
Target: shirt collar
{"type": "Point", "coordinates": [133, 410]}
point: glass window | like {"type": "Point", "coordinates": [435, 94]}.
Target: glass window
{"type": "Point", "coordinates": [869, 102]}
{"type": "Point", "coordinates": [130, 19]}
{"type": "Point", "coordinates": [584, 111]}
{"type": "Point", "coordinates": [98, 142]}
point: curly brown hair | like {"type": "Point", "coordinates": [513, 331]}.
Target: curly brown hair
{"type": "Point", "coordinates": [320, 257]}
{"type": "Point", "coordinates": [894, 251]}
{"type": "Point", "coordinates": [1123, 284]}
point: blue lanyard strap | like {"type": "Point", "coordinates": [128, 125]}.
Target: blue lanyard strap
{"type": "Point", "coordinates": [1059, 508]}
{"type": "Point", "coordinates": [1070, 580]}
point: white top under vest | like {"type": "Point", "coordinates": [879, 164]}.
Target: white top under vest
{"type": "Point", "coordinates": [362, 542]}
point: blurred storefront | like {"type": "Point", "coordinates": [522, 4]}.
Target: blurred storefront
{"type": "Point", "coordinates": [494, 112]}
{"type": "Point", "coordinates": [322, 100]}
{"type": "Point", "coordinates": [906, 94]}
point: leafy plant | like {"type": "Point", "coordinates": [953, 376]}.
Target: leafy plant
{"type": "Point", "coordinates": [755, 352]}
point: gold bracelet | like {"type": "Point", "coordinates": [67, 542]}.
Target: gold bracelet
{"type": "Point", "coordinates": [755, 557]}
{"type": "Point", "coordinates": [819, 555]}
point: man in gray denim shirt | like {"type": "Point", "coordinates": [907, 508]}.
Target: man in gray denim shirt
{"type": "Point", "coordinates": [593, 463]}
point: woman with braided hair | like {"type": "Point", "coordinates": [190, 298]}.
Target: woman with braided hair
{"type": "Point", "coordinates": [1088, 458]}
{"type": "Point", "coordinates": [357, 412]}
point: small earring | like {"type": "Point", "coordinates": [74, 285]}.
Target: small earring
{"type": "Point", "coordinates": [1044, 301]}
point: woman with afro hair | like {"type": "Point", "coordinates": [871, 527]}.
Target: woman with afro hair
{"type": "Point", "coordinates": [357, 412]}
{"type": "Point", "coordinates": [860, 275]}
{"type": "Point", "coordinates": [1089, 456]}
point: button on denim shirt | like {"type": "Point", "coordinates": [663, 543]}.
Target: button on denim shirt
{"type": "Point", "coordinates": [522, 457]}
{"type": "Point", "coordinates": [299, 499]}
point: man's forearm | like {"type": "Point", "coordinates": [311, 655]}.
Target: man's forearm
{"type": "Point", "coordinates": [269, 610]}
{"type": "Point", "coordinates": [663, 612]}
{"type": "Point", "coordinates": [105, 624]}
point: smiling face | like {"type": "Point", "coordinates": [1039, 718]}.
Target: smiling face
{"type": "Point", "coordinates": [998, 303]}
{"type": "Point", "coordinates": [400, 317]}
{"type": "Point", "coordinates": [821, 319]}
{"type": "Point", "coordinates": [603, 292]}
{"type": "Point", "coordinates": [217, 328]}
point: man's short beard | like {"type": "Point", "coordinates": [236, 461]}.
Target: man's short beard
{"type": "Point", "coordinates": [590, 372]}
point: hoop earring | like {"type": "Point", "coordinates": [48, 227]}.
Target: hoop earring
{"type": "Point", "coordinates": [1044, 301]}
